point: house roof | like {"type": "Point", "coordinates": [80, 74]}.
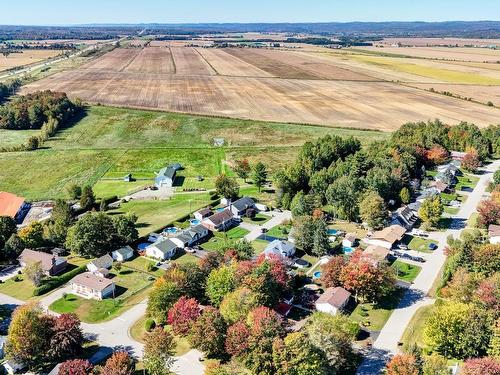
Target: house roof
{"type": "Point", "coordinates": [244, 203]}
{"type": "Point", "coordinates": [279, 247]}
{"type": "Point", "coordinates": [221, 217]}
{"type": "Point", "coordinates": [167, 172]}
{"type": "Point", "coordinates": [102, 262]}
{"type": "Point", "coordinates": [10, 204]}
{"type": "Point", "coordinates": [205, 211]}
{"type": "Point", "coordinates": [283, 308]}
{"type": "Point", "coordinates": [32, 256]}
{"type": "Point", "coordinates": [92, 281]}
{"type": "Point", "coordinates": [124, 250]}
{"type": "Point", "coordinates": [184, 236]}
{"type": "Point", "coordinates": [198, 229]}
{"type": "Point", "coordinates": [494, 230]}
{"type": "Point", "coordinates": [390, 234]}
{"type": "Point", "coordinates": [336, 297]}
{"type": "Point", "coordinates": [350, 237]}
{"type": "Point", "coordinates": [165, 245]}
{"type": "Point", "coordinates": [440, 185]}
{"type": "Point", "coordinates": [377, 253]}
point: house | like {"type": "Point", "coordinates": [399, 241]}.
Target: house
{"type": "Point", "coordinates": [494, 233]}
{"type": "Point", "coordinates": [457, 155]}
{"type": "Point", "coordinates": [11, 367]}
{"type": "Point", "coordinates": [333, 300]}
{"type": "Point", "coordinates": [51, 264]}
{"type": "Point", "coordinates": [386, 237]}
{"type": "Point", "coordinates": [162, 249]}
{"type": "Point", "coordinates": [445, 177]}
{"type": "Point", "coordinates": [219, 221]}
{"type": "Point", "coordinates": [203, 213]}
{"type": "Point", "coordinates": [440, 185]}
{"type": "Point", "coordinates": [104, 262]}
{"type": "Point", "coordinates": [405, 217]}
{"type": "Point", "coordinates": [375, 254]}
{"type": "Point", "coordinates": [240, 207]}
{"type": "Point", "coordinates": [450, 168]}
{"type": "Point", "coordinates": [415, 206]}
{"type": "Point", "coordinates": [280, 248]}
{"type": "Point", "coordinates": [427, 193]}
{"type": "Point", "coordinates": [13, 206]}
{"type": "Point", "coordinates": [166, 176]}
{"type": "Point", "coordinates": [196, 234]}
{"type": "Point", "coordinates": [89, 286]}
{"type": "Point", "coordinates": [349, 240]}
{"type": "Point", "coordinates": [123, 254]}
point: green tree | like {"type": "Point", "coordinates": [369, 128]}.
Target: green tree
{"type": "Point", "coordinates": [158, 352]}
{"type": "Point", "coordinates": [7, 229]}
{"type": "Point", "coordinates": [93, 235]}
{"type": "Point", "coordinates": [431, 210]}
{"type": "Point", "coordinates": [404, 195]}
{"type": "Point", "coordinates": [242, 169]}
{"type": "Point", "coordinates": [303, 232]}
{"type": "Point", "coordinates": [496, 178]}
{"type": "Point", "coordinates": [32, 144]}
{"type": "Point", "coordinates": [227, 186]}
{"type": "Point", "coordinates": [35, 273]}
{"type": "Point", "coordinates": [32, 235]}
{"type": "Point", "coordinates": [435, 364]}
{"type": "Point", "coordinates": [372, 210]}
{"type": "Point", "coordinates": [237, 304]}
{"type": "Point", "coordinates": [13, 247]}
{"type": "Point", "coordinates": [162, 297]}
{"type": "Point", "coordinates": [343, 194]}
{"type": "Point", "coordinates": [259, 175]}
{"type": "Point", "coordinates": [321, 243]}
{"type": "Point", "coordinates": [60, 222]}
{"type": "Point", "coordinates": [220, 282]}
{"type": "Point", "coordinates": [74, 191]}
{"type": "Point", "coordinates": [126, 231]}
{"type": "Point", "coordinates": [302, 204]}
{"type": "Point", "coordinates": [87, 200]}
{"type": "Point", "coordinates": [296, 355]}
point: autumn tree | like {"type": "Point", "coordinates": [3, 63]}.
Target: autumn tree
{"type": "Point", "coordinates": [120, 363]}
{"type": "Point", "coordinates": [208, 333]}
{"type": "Point", "coordinates": [162, 297]}
{"type": "Point", "coordinates": [471, 162]}
{"type": "Point", "coordinates": [486, 258]}
{"type": "Point", "coordinates": [242, 169]}
{"type": "Point", "coordinates": [431, 210]}
{"type": "Point", "coordinates": [237, 304]}
{"type": "Point", "coordinates": [372, 210]}
{"type": "Point", "coordinates": [404, 195]}
{"type": "Point", "coordinates": [489, 213]}
{"type": "Point", "coordinates": [158, 351]}
{"type": "Point", "coordinates": [435, 364]}
{"type": "Point", "coordinates": [182, 315]}
{"type": "Point", "coordinates": [75, 367]}
{"type": "Point", "coordinates": [32, 235]}
{"type": "Point", "coordinates": [402, 364]}
{"type": "Point", "coordinates": [437, 155]}
{"type": "Point", "coordinates": [481, 366]}
{"type": "Point", "coordinates": [35, 273]}
{"type": "Point", "coordinates": [219, 283]}
{"type": "Point", "coordinates": [331, 271]}
{"type": "Point", "coordinates": [237, 339]}
{"type": "Point", "coordinates": [67, 337]}
{"type": "Point", "coordinates": [227, 187]}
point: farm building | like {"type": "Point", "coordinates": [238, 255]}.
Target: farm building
{"type": "Point", "coordinates": [89, 286]}
{"type": "Point", "coordinates": [386, 237]}
{"type": "Point", "coordinates": [162, 249]}
{"type": "Point", "coordinates": [240, 207]}
{"type": "Point", "coordinates": [333, 300]}
{"type": "Point", "coordinates": [13, 206]}
{"type": "Point", "coordinates": [166, 176]}
{"type": "Point", "coordinates": [280, 248]}
{"type": "Point", "coordinates": [123, 254]}
{"type": "Point", "coordinates": [51, 264]}
{"type": "Point", "coordinates": [104, 262]}
{"type": "Point", "coordinates": [220, 221]}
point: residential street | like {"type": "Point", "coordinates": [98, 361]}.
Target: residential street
{"type": "Point", "coordinates": [415, 297]}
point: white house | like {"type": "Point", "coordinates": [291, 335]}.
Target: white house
{"type": "Point", "coordinates": [190, 236]}
{"type": "Point", "coordinates": [166, 176]}
{"type": "Point", "coordinates": [349, 240]}
{"type": "Point", "coordinates": [280, 248]}
{"type": "Point", "coordinates": [333, 300]}
{"type": "Point", "coordinates": [162, 249]}
{"type": "Point", "coordinates": [494, 233]}
{"type": "Point", "coordinates": [240, 207]}
{"type": "Point", "coordinates": [123, 254]}
{"type": "Point", "coordinates": [90, 286]}
{"type": "Point", "coordinates": [104, 262]}
{"type": "Point", "coordinates": [203, 213]}
{"type": "Point", "coordinates": [386, 237]}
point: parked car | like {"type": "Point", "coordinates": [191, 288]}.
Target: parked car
{"type": "Point", "coordinates": [418, 259]}
{"type": "Point", "coordinates": [403, 246]}
{"type": "Point", "coordinates": [433, 246]}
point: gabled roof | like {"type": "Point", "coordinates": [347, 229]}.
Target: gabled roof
{"type": "Point", "coordinates": [243, 203]}
{"type": "Point", "coordinates": [92, 281]}
{"type": "Point", "coordinates": [377, 253]}
{"type": "Point", "coordinates": [124, 250]}
{"type": "Point", "coordinates": [196, 230]}
{"type": "Point", "coordinates": [165, 245]}
{"type": "Point", "coordinates": [10, 204]}
{"type": "Point", "coordinates": [221, 217]}
{"type": "Point", "coordinates": [390, 234]}
{"type": "Point", "coordinates": [494, 230]}
{"type": "Point", "coordinates": [102, 262]}
{"type": "Point", "coordinates": [336, 297]}
{"type": "Point", "coordinates": [350, 237]}
{"type": "Point", "coordinates": [279, 247]}
{"type": "Point", "coordinates": [205, 211]}
{"type": "Point", "coordinates": [32, 256]}
{"type": "Point", "coordinates": [167, 172]}
{"type": "Point", "coordinates": [184, 237]}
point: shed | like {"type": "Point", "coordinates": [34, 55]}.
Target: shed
{"type": "Point", "coordinates": [123, 254]}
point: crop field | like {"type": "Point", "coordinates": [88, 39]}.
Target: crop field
{"type": "Point", "coordinates": [27, 57]}
{"type": "Point", "coordinates": [329, 88]}
{"type": "Point", "coordinates": [483, 94]}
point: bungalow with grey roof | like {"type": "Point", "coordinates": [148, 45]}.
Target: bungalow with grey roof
{"type": "Point", "coordinates": [123, 254]}
{"type": "Point", "coordinates": [166, 176]}
{"type": "Point", "coordinates": [98, 265]}
{"type": "Point", "coordinates": [162, 249]}
{"type": "Point", "coordinates": [280, 248]}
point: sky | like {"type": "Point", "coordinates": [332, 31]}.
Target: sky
{"type": "Point", "coordinates": [68, 12]}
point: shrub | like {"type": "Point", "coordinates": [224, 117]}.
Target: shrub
{"type": "Point", "coordinates": [57, 281]}
{"type": "Point", "coordinates": [149, 324]}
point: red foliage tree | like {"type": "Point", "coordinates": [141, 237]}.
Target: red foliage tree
{"type": "Point", "coordinates": [278, 269]}
{"type": "Point", "coordinates": [75, 367]}
{"type": "Point", "coordinates": [182, 314]}
{"type": "Point", "coordinates": [264, 322]}
{"type": "Point", "coordinates": [211, 261]}
{"type": "Point", "coordinates": [237, 339]}
{"type": "Point", "coordinates": [120, 363]}
{"type": "Point", "coordinates": [481, 366]}
{"type": "Point", "coordinates": [488, 291]}
{"type": "Point", "coordinates": [402, 364]}
{"type": "Point", "coordinates": [471, 161]}
{"type": "Point", "coordinates": [67, 338]}
{"type": "Point", "coordinates": [243, 269]}
{"type": "Point", "coordinates": [437, 155]}
{"type": "Point", "coordinates": [208, 332]}
{"type": "Point", "coordinates": [486, 258]}
{"type": "Point", "coordinates": [369, 282]}
{"type": "Point", "coordinates": [489, 213]}
{"type": "Point", "coordinates": [331, 271]}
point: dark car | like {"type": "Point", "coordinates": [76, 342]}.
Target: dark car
{"type": "Point", "coordinates": [433, 246]}
{"type": "Point", "coordinates": [418, 259]}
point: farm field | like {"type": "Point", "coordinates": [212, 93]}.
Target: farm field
{"type": "Point", "coordinates": [424, 42]}
{"type": "Point", "coordinates": [483, 94]}
{"type": "Point", "coordinates": [326, 88]}
{"type": "Point", "coordinates": [443, 53]}
{"type": "Point", "coordinates": [27, 57]}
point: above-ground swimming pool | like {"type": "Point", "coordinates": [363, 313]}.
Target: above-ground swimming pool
{"type": "Point", "coordinates": [142, 246]}
{"type": "Point", "coordinates": [170, 230]}
{"type": "Point", "coordinates": [332, 232]}
{"type": "Point", "coordinates": [194, 222]}
{"type": "Point", "coordinates": [347, 249]}
{"type": "Point", "coordinates": [317, 274]}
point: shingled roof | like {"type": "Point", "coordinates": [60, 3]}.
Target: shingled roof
{"type": "Point", "coordinates": [10, 204]}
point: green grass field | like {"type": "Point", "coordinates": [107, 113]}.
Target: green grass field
{"type": "Point", "coordinates": [406, 272]}
{"type": "Point", "coordinates": [418, 243]}
{"type": "Point", "coordinates": [15, 137]}
{"type": "Point", "coordinates": [414, 330]}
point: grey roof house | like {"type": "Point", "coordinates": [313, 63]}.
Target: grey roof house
{"type": "Point", "coordinates": [162, 249]}
{"type": "Point", "coordinates": [241, 206]}
{"type": "Point", "coordinates": [104, 262]}
{"type": "Point", "coordinates": [166, 176]}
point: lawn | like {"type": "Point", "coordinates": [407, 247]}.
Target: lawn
{"type": "Point", "coordinates": [131, 288]}
{"type": "Point", "coordinates": [279, 231]}
{"type": "Point", "coordinates": [406, 272]}
{"type": "Point", "coordinates": [155, 215]}
{"type": "Point", "coordinates": [221, 239]}
{"type": "Point", "coordinates": [235, 233]}
{"type": "Point", "coordinates": [451, 210]}
{"type": "Point", "coordinates": [10, 138]}
{"type": "Point", "coordinates": [466, 181]}
{"type": "Point", "coordinates": [141, 264]}
{"type": "Point", "coordinates": [258, 219]}
{"type": "Point", "coordinates": [259, 246]}
{"type": "Point", "coordinates": [374, 316]}
{"type": "Point", "coordinates": [109, 188]}
{"type": "Point", "coordinates": [414, 330]}
{"type": "Point", "coordinates": [418, 243]}
{"type": "Point", "coordinates": [22, 289]}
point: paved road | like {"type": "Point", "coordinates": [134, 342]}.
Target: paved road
{"type": "Point", "coordinates": [276, 219]}
{"type": "Point", "coordinates": [386, 344]}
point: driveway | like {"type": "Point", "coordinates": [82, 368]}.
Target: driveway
{"type": "Point", "coordinates": [386, 344]}
{"type": "Point", "coordinates": [277, 218]}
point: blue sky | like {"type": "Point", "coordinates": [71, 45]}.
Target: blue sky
{"type": "Point", "coordinates": [37, 12]}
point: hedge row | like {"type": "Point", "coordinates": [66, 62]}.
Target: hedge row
{"type": "Point", "coordinates": [57, 281]}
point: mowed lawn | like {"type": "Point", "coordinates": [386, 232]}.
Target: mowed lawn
{"type": "Point", "coordinates": [406, 272]}
{"type": "Point", "coordinates": [15, 137]}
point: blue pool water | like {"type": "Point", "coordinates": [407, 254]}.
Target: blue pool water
{"type": "Point", "coordinates": [317, 274]}
{"type": "Point", "coordinates": [220, 209]}
{"type": "Point", "coordinates": [332, 232]}
{"type": "Point", "coordinates": [142, 246]}
{"type": "Point", "coordinates": [194, 222]}
{"type": "Point", "coordinates": [170, 230]}
{"type": "Point", "coordinates": [347, 250]}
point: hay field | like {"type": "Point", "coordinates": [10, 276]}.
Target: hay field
{"type": "Point", "coordinates": [483, 94]}
{"type": "Point", "coordinates": [272, 85]}
{"type": "Point", "coordinates": [423, 42]}
{"type": "Point", "coordinates": [26, 58]}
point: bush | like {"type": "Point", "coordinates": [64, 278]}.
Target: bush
{"type": "Point", "coordinates": [57, 281]}
{"type": "Point", "coordinates": [149, 324]}
{"type": "Point", "coordinates": [150, 267]}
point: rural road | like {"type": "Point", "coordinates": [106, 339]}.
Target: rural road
{"type": "Point", "coordinates": [415, 296]}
